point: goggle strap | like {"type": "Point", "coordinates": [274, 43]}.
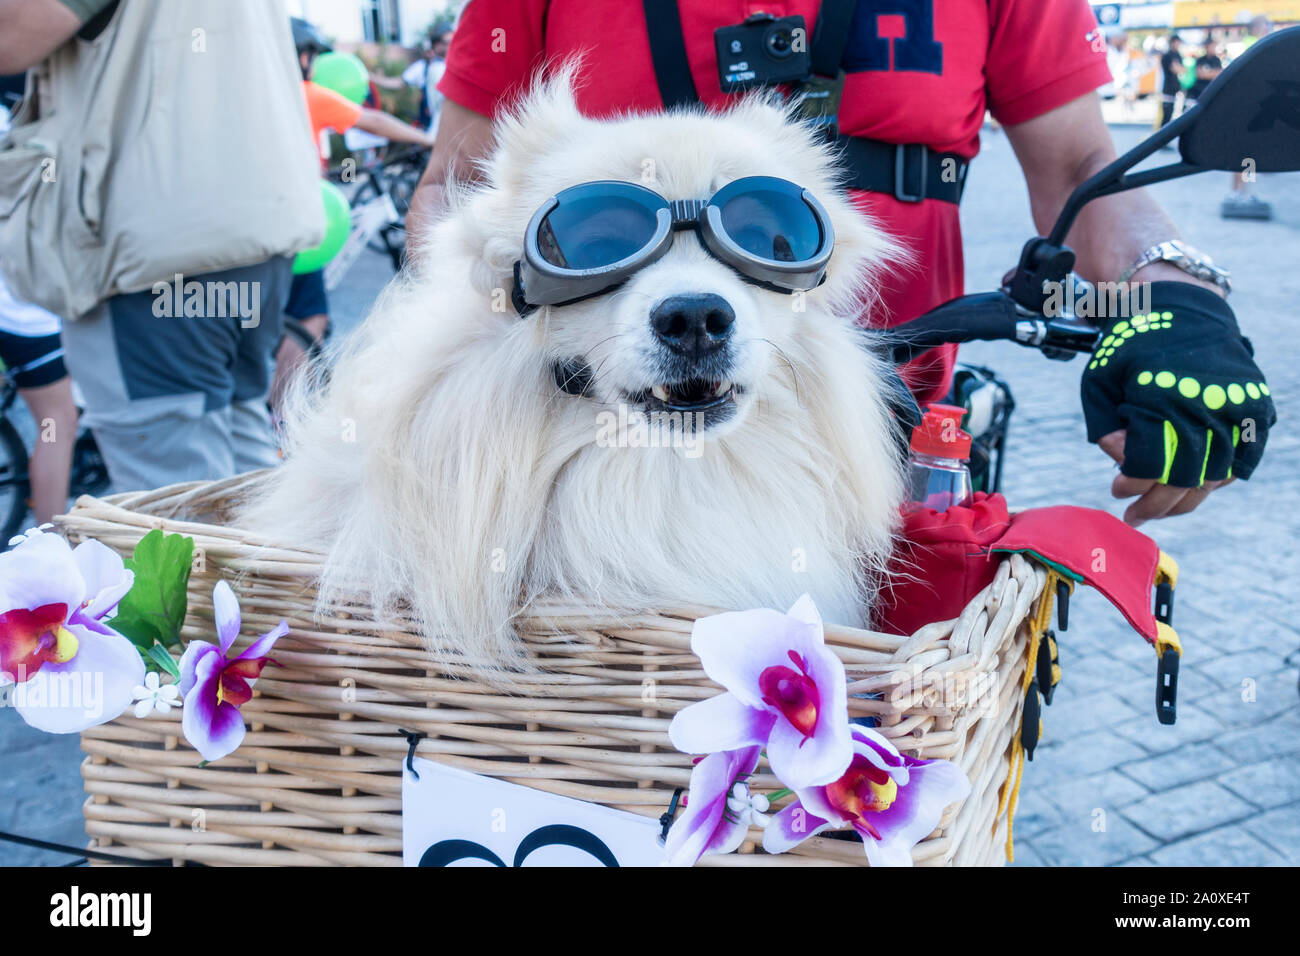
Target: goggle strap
{"type": "Point", "coordinates": [517, 294]}
{"type": "Point", "coordinates": [686, 212]}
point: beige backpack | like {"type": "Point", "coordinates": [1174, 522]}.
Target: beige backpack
{"type": "Point", "coordinates": [177, 141]}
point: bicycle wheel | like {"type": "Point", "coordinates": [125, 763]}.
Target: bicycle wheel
{"type": "Point", "coordinates": [401, 183]}
{"type": "Point", "coordinates": [371, 189]}
{"type": "Point", "coordinates": [402, 186]}
{"type": "Point", "coordinates": [14, 486]}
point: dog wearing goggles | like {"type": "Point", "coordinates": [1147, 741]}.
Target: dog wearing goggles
{"type": "Point", "coordinates": [623, 372]}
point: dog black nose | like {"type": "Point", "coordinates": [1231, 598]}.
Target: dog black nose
{"type": "Point", "coordinates": [693, 324]}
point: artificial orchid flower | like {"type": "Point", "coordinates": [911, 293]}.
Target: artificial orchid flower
{"type": "Point", "coordinates": [719, 808]}
{"type": "Point", "coordinates": [786, 691]}
{"type": "Point", "coordinates": [892, 801]}
{"type": "Point", "coordinates": [216, 685]}
{"type": "Point", "coordinates": [152, 696]}
{"type": "Point", "coordinates": [72, 669]}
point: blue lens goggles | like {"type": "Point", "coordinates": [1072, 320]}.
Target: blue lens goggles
{"type": "Point", "coordinates": [590, 238]}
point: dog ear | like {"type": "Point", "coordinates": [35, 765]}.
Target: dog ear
{"type": "Point", "coordinates": [545, 118]}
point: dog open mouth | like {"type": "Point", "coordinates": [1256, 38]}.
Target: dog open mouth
{"type": "Point", "coordinates": [696, 404]}
{"type": "Point", "coordinates": [691, 395]}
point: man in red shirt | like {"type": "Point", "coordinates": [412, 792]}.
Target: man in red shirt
{"type": "Point", "coordinates": [916, 72]}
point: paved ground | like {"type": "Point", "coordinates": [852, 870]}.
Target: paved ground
{"type": "Point", "coordinates": [1109, 785]}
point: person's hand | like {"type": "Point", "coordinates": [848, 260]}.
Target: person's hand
{"type": "Point", "coordinates": [1176, 398]}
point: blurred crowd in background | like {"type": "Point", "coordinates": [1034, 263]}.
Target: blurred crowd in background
{"type": "Point", "coordinates": [1159, 76]}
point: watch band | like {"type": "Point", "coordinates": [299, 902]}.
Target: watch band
{"type": "Point", "coordinates": [1183, 256]}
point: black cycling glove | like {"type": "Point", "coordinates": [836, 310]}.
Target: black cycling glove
{"type": "Point", "coordinates": [1183, 382]}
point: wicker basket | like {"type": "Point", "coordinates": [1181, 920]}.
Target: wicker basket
{"type": "Point", "coordinates": [317, 780]}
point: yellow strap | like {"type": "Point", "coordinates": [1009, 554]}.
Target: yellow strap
{"type": "Point", "coordinates": [1038, 625]}
{"type": "Point", "coordinates": [1013, 793]}
{"type": "Point", "coordinates": [1011, 790]}
{"type": "Point", "coordinates": [1167, 639]}
{"type": "Point", "coordinates": [1167, 570]}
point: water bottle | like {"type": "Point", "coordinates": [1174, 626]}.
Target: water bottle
{"type": "Point", "coordinates": [937, 476]}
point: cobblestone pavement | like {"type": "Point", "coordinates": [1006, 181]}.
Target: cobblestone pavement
{"type": "Point", "coordinates": [1108, 785]}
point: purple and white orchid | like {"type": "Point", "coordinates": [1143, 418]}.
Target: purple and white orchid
{"type": "Point", "coordinates": [216, 685]}
{"type": "Point", "coordinates": [719, 808]}
{"type": "Point", "coordinates": [841, 775]}
{"type": "Point", "coordinates": [785, 691]}
{"type": "Point", "coordinates": [72, 670]}
{"type": "Point", "coordinates": [892, 801]}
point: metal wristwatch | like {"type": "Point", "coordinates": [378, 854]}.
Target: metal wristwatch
{"type": "Point", "coordinates": [1180, 254]}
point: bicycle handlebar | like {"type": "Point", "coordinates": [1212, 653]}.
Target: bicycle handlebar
{"type": "Point", "coordinates": [404, 156]}
{"type": "Point", "coordinates": [991, 317]}
{"type": "Point", "coordinates": [984, 316]}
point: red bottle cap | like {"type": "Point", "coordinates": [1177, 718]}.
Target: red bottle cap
{"type": "Point", "coordinates": [940, 434]}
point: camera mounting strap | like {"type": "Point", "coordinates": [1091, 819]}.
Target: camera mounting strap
{"type": "Point", "coordinates": [831, 35]}
{"type": "Point", "coordinates": [663, 22]}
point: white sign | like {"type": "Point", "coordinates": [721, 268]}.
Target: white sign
{"type": "Point", "coordinates": [1158, 16]}
{"type": "Point", "coordinates": [451, 817]}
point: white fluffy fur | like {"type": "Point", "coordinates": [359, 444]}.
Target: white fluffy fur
{"type": "Point", "coordinates": [443, 473]}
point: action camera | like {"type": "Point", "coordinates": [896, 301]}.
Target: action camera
{"type": "Point", "coordinates": [762, 51]}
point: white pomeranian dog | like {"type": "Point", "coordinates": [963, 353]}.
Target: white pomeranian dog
{"type": "Point", "coordinates": [717, 441]}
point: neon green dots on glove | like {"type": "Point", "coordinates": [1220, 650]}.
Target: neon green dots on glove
{"type": "Point", "coordinates": [1215, 397]}
{"type": "Point", "coordinates": [1182, 384]}
{"type": "Point", "coordinates": [1126, 329]}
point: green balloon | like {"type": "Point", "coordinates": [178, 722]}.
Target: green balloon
{"type": "Point", "coordinates": [343, 73]}
{"type": "Point", "coordinates": [338, 223]}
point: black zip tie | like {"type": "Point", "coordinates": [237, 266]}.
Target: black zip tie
{"type": "Point", "coordinates": [666, 819]}
{"type": "Point", "coordinates": [1043, 670]}
{"type": "Point", "coordinates": [1063, 605]}
{"type": "Point", "coordinates": [1164, 609]}
{"type": "Point", "coordinates": [1030, 718]}
{"type": "Point", "coordinates": [80, 852]}
{"type": "Point", "coordinates": [413, 738]}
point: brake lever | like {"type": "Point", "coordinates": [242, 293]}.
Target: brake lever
{"type": "Point", "coordinates": [1060, 337]}
{"type": "Point", "coordinates": [995, 316]}
{"type": "Point", "coordinates": [1071, 335]}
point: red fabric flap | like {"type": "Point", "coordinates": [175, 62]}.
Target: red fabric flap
{"type": "Point", "coordinates": [1117, 560]}
{"type": "Point", "coordinates": [983, 521]}
{"type": "Point", "coordinates": [944, 559]}
{"type": "Point", "coordinates": [941, 562]}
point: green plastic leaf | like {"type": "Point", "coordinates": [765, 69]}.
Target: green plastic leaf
{"type": "Point", "coordinates": [166, 663]}
{"type": "Point", "coordinates": [154, 609]}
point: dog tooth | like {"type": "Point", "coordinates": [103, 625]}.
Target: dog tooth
{"type": "Point", "coordinates": [660, 393]}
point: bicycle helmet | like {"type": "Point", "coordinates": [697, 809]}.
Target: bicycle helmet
{"type": "Point", "coordinates": [307, 37]}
